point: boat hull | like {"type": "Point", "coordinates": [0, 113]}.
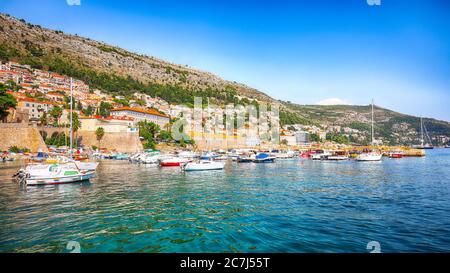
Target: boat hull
{"type": "Point", "coordinates": [59, 180]}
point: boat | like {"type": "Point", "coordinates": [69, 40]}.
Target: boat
{"type": "Point", "coordinates": [338, 156]}
{"type": "Point", "coordinates": [45, 174]}
{"type": "Point", "coordinates": [203, 165]}
{"type": "Point", "coordinates": [372, 155]}
{"type": "Point", "coordinates": [423, 145]}
{"type": "Point", "coordinates": [264, 158]}
{"type": "Point", "coordinates": [245, 159]}
{"type": "Point", "coordinates": [174, 161]}
{"type": "Point", "coordinates": [447, 146]}
{"type": "Point", "coordinates": [320, 155]}
{"type": "Point", "coordinates": [283, 154]}
{"type": "Point", "coordinates": [396, 154]}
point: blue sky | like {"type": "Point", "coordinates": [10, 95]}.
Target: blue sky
{"type": "Point", "coordinates": [302, 51]}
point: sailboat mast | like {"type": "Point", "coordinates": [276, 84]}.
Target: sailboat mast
{"type": "Point", "coordinates": [372, 126]}
{"type": "Point", "coordinates": [421, 131]}
{"type": "Point", "coordinates": [71, 106]}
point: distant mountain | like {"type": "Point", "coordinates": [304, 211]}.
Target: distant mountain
{"type": "Point", "coordinates": [392, 127]}
{"type": "Point", "coordinates": [118, 71]}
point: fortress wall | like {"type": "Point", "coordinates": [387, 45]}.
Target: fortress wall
{"type": "Point", "coordinates": [16, 134]}
{"type": "Point", "coordinates": [121, 142]}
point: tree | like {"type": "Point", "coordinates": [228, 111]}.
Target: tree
{"type": "Point", "coordinates": [56, 113]}
{"type": "Point", "coordinates": [314, 137]}
{"type": "Point", "coordinates": [76, 124]}
{"type": "Point", "coordinates": [148, 131]}
{"type": "Point", "coordinates": [88, 111]}
{"type": "Point", "coordinates": [104, 109]}
{"type": "Point", "coordinates": [99, 133]}
{"type": "Point", "coordinates": [6, 101]}
{"type": "Point", "coordinates": [43, 119]}
{"type": "Point", "coordinates": [165, 135]}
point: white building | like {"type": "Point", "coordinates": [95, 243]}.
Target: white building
{"type": "Point", "coordinates": [142, 114]}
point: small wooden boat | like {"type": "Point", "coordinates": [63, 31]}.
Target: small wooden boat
{"type": "Point", "coordinates": [203, 165]}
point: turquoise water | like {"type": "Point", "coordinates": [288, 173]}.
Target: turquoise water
{"type": "Point", "coordinates": [289, 206]}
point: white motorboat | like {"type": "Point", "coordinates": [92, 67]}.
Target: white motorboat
{"type": "Point", "coordinates": [337, 157]}
{"type": "Point", "coordinates": [203, 165]}
{"type": "Point", "coordinates": [372, 156]}
{"type": "Point", "coordinates": [320, 155]}
{"type": "Point", "coordinates": [43, 174]}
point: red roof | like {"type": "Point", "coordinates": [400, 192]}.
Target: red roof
{"type": "Point", "coordinates": [36, 101]}
{"type": "Point", "coordinates": [108, 118]}
{"type": "Point", "coordinates": [138, 110]}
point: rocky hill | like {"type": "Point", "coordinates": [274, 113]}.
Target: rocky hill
{"type": "Point", "coordinates": [117, 71]}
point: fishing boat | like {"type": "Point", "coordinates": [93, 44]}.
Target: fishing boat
{"type": "Point", "coordinates": [44, 174]}
{"type": "Point", "coordinates": [264, 158]}
{"type": "Point", "coordinates": [203, 165]}
{"type": "Point", "coordinates": [423, 145]}
{"type": "Point", "coordinates": [372, 155]}
{"type": "Point", "coordinates": [174, 161]}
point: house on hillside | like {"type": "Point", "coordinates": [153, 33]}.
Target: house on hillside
{"type": "Point", "coordinates": [142, 114]}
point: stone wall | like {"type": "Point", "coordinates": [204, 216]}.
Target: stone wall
{"type": "Point", "coordinates": [121, 142]}
{"type": "Point", "coordinates": [22, 136]}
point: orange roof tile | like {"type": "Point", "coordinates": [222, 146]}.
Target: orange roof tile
{"type": "Point", "coordinates": [144, 111]}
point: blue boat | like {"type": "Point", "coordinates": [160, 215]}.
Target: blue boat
{"type": "Point", "coordinates": [264, 158]}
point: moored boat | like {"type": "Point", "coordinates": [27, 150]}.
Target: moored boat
{"type": "Point", "coordinates": [263, 158]}
{"type": "Point", "coordinates": [371, 156]}
{"type": "Point", "coordinates": [174, 161]}
{"type": "Point", "coordinates": [203, 165]}
{"type": "Point", "coordinates": [52, 174]}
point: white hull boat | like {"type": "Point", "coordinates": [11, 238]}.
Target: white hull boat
{"type": "Point", "coordinates": [203, 165]}
{"type": "Point", "coordinates": [369, 157]}
{"type": "Point", "coordinates": [34, 175]}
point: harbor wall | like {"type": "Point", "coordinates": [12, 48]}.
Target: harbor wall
{"type": "Point", "coordinates": [125, 142]}
{"type": "Point", "coordinates": [22, 136]}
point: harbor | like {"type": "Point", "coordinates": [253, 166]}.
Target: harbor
{"type": "Point", "coordinates": [294, 205]}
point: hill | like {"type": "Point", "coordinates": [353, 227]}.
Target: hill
{"type": "Point", "coordinates": [120, 72]}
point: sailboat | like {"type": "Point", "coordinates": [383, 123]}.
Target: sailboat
{"type": "Point", "coordinates": [423, 145]}
{"type": "Point", "coordinates": [65, 171]}
{"type": "Point", "coordinates": [373, 155]}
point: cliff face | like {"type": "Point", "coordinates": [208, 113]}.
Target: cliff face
{"type": "Point", "coordinates": [30, 42]}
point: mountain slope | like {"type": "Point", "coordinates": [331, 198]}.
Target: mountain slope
{"type": "Point", "coordinates": [117, 71]}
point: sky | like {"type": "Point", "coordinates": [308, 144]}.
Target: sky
{"type": "Point", "coordinates": [307, 52]}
